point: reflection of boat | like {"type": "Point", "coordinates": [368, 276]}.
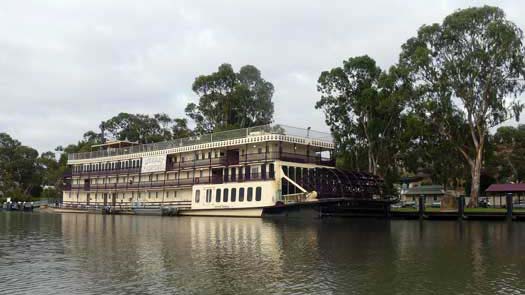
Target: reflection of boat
{"type": "Point", "coordinates": [266, 170]}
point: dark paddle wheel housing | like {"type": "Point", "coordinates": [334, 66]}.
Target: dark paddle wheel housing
{"type": "Point", "coordinates": [330, 183]}
{"type": "Point", "coordinates": [339, 192]}
{"type": "Point", "coordinates": [337, 183]}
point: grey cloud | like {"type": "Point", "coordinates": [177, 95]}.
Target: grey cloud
{"type": "Point", "coordinates": [67, 65]}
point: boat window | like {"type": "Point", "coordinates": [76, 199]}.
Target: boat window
{"type": "Point", "coordinates": [225, 195]}
{"type": "Point", "coordinates": [234, 195]}
{"type": "Point", "coordinates": [291, 174]}
{"type": "Point", "coordinates": [247, 172]}
{"type": "Point", "coordinates": [255, 171]}
{"type": "Point", "coordinates": [249, 195]}
{"type": "Point", "coordinates": [298, 173]}
{"type": "Point", "coordinates": [208, 195]}
{"type": "Point", "coordinates": [241, 194]}
{"type": "Point", "coordinates": [197, 196]}
{"type": "Point", "coordinates": [218, 195]}
{"type": "Point", "coordinates": [258, 193]}
{"type": "Point", "coordinates": [284, 187]}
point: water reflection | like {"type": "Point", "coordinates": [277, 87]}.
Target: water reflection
{"type": "Point", "coordinates": [133, 254]}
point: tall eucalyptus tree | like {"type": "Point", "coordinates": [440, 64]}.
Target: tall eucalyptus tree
{"type": "Point", "coordinates": [468, 67]}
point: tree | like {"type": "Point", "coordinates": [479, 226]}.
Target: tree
{"type": "Point", "coordinates": [505, 156]}
{"type": "Point", "coordinates": [229, 100]}
{"type": "Point", "coordinates": [180, 128]}
{"type": "Point", "coordinates": [19, 170]}
{"type": "Point", "coordinates": [363, 107]}
{"type": "Point", "coordinates": [426, 149]}
{"type": "Point", "coordinates": [466, 68]}
{"type": "Point", "coordinates": [143, 128]}
{"type": "Point", "coordinates": [50, 168]}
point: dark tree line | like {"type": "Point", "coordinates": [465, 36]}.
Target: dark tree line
{"type": "Point", "coordinates": [23, 173]}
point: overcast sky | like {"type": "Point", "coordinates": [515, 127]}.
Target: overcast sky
{"type": "Point", "coordinates": [67, 65]}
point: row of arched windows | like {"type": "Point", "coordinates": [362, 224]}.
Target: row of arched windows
{"type": "Point", "coordinates": [226, 195]}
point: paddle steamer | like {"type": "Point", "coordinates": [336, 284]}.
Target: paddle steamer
{"type": "Point", "coordinates": [257, 171]}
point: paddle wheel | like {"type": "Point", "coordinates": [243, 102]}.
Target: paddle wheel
{"type": "Point", "coordinates": [333, 191]}
{"type": "Point", "coordinates": [338, 183]}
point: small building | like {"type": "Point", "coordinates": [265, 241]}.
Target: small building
{"type": "Point", "coordinates": [433, 193]}
{"type": "Point", "coordinates": [414, 181]}
{"type": "Point", "coordinates": [496, 193]}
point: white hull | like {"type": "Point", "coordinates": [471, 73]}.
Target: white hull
{"type": "Point", "coordinates": [241, 212]}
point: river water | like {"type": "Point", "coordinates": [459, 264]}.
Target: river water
{"type": "Point", "coordinates": [48, 253]}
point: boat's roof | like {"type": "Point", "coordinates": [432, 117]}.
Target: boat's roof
{"type": "Point", "coordinates": [256, 134]}
{"type": "Point", "coordinates": [114, 144]}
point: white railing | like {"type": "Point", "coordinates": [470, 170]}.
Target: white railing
{"type": "Point", "coordinates": [208, 138]}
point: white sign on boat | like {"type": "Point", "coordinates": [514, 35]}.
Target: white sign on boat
{"type": "Point", "coordinates": [153, 164]}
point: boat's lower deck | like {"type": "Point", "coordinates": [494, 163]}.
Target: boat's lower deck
{"type": "Point", "coordinates": [314, 208]}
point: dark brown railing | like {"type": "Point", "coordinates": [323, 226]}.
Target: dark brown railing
{"type": "Point", "coordinates": [197, 163]}
{"type": "Point", "coordinates": [269, 175]}
{"type": "Point", "coordinates": [106, 172]}
{"type": "Point", "coordinates": [220, 161]}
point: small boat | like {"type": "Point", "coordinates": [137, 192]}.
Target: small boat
{"type": "Point", "coordinates": [147, 210]}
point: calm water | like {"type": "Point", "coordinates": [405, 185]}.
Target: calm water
{"type": "Point", "coordinates": [46, 253]}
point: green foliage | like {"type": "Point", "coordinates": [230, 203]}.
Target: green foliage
{"type": "Point", "coordinates": [427, 149]}
{"type": "Point", "coordinates": [19, 169]}
{"type": "Point", "coordinates": [17, 195]}
{"type": "Point", "coordinates": [465, 69]}
{"type": "Point", "coordinates": [23, 172]}
{"type": "Point", "coordinates": [230, 100]}
{"type": "Point", "coordinates": [505, 154]}
{"type": "Point", "coordinates": [363, 107]}
{"type": "Point", "coordinates": [51, 194]}
{"type": "Point", "coordinates": [143, 128]}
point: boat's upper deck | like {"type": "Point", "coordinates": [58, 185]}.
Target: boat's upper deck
{"type": "Point", "coordinates": [212, 140]}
